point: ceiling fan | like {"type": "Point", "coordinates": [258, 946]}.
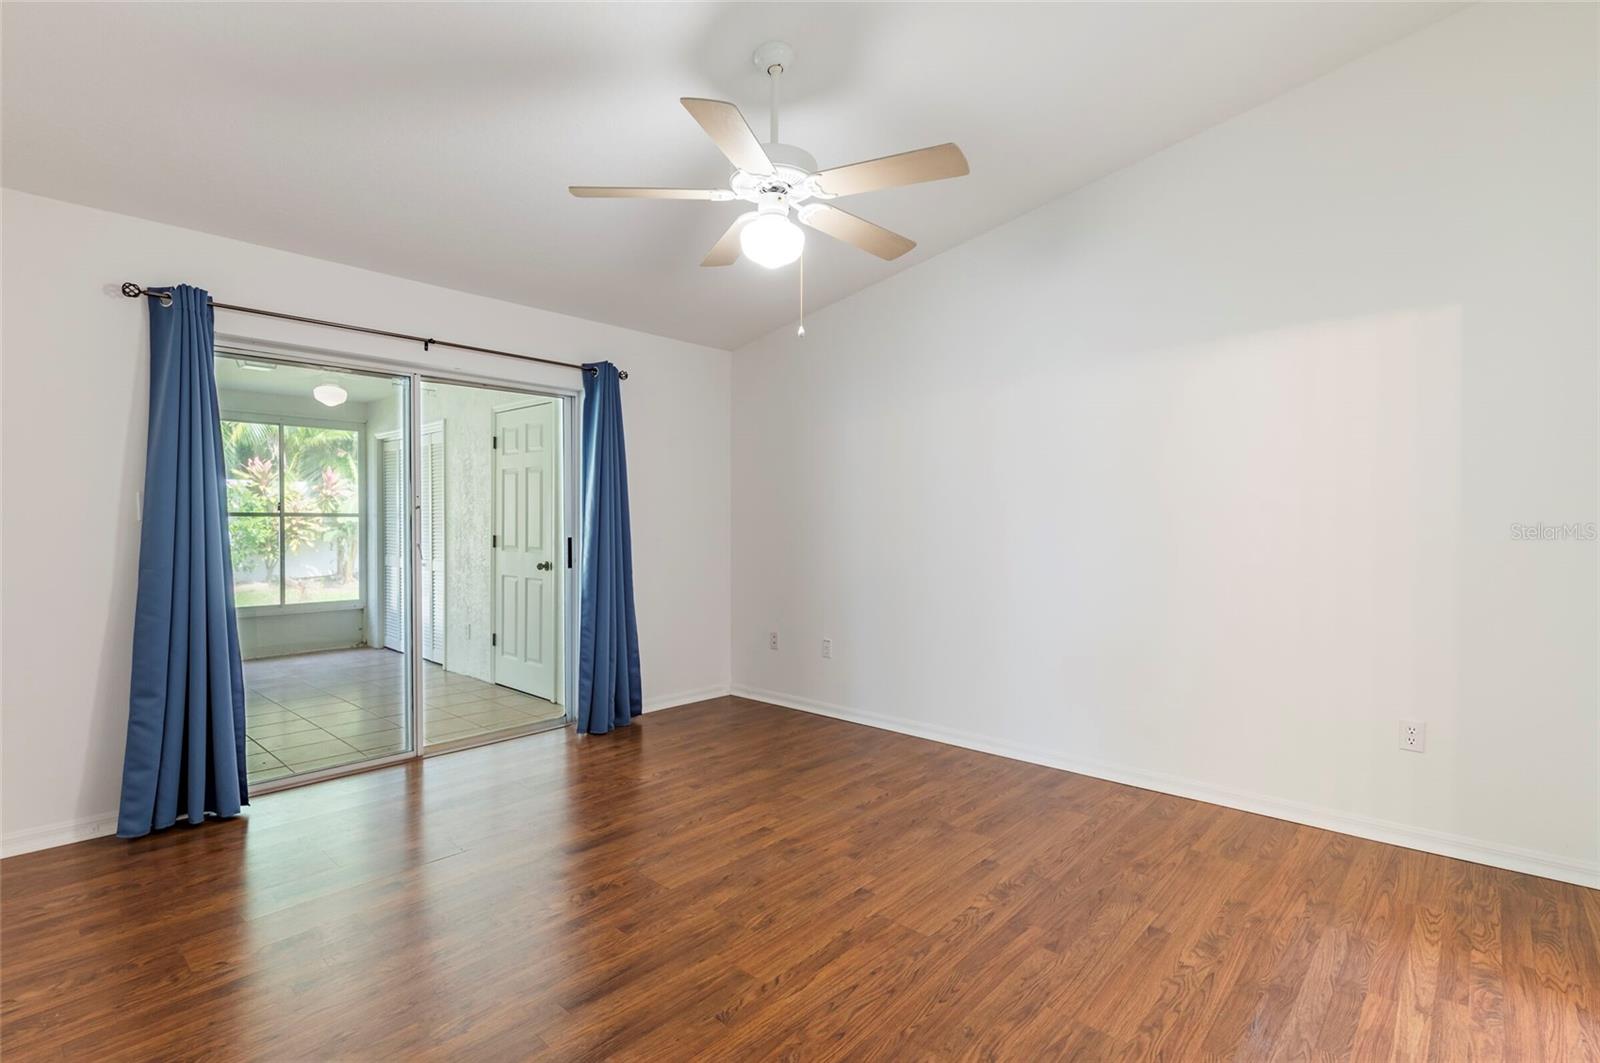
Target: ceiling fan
{"type": "Point", "coordinates": [778, 177]}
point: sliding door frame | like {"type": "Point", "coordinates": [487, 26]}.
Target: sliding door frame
{"type": "Point", "coordinates": [570, 400]}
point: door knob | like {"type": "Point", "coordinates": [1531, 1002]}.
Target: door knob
{"type": "Point", "coordinates": [545, 566]}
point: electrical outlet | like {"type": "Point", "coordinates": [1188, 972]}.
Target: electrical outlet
{"type": "Point", "coordinates": [1413, 736]}
{"type": "Point", "coordinates": [827, 647]}
{"type": "Point", "coordinates": [772, 642]}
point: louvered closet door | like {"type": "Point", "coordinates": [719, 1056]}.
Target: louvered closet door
{"type": "Point", "coordinates": [433, 618]}
{"type": "Point", "coordinates": [394, 546]}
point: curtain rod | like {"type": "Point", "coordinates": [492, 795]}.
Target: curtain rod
{"type": "Point", "coordinates": [133, 291]}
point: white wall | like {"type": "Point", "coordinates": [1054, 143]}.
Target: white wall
{"type": "Point", "coordinates": [468, 416]}
{"type": "Point", "coordinates": [1204, 476]}
{"type": "Point", "coordinates": [73, 381]}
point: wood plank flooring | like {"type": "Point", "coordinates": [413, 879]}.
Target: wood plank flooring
{"type": "Point", "coordinates": [734, 881]}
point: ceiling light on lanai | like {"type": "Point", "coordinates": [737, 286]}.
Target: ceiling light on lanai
{"type": "Point", "coordinates": [330, 394]}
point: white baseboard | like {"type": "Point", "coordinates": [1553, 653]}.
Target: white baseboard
{"type": "Point", "coordinates": [53, 834]}
{"type": "Point", "coordinates": [1428, 841]}
{"type": "Point", "coordinates": [1527, 861]}
{"type": "Point", "coordinates": [685, 697]}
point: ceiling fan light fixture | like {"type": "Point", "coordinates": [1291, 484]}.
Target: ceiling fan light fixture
{"type": "Point", "coordinates": [772, 240]}
{"type": "Point", "coordinates": [330, 394]}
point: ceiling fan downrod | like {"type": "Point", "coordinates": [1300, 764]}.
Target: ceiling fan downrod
{"type": "Point", "coordinates": [772, 57]}
{"type": "Point", "coordinates": [775, 74]}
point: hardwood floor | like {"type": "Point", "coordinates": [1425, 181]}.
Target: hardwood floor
{"type": "Point", "coordinates": [735, 881]}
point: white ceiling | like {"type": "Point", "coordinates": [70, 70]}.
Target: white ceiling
{"type": "Point", "coordinates": [436, 141]}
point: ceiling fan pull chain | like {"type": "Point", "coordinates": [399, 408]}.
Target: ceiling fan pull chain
{"type": "Point", "coordinates": [801, 331]}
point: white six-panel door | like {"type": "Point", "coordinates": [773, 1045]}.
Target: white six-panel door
{"type": "Point", "coordinates": [527, 561]}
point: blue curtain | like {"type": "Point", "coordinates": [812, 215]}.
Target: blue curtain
{"type": "Point", "coordinates": [608, 639]}
{"type": "Point", "coordinates": [185, 751]}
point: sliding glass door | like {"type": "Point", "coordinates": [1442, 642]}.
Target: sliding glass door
{"type": "Point", "coordinates": [401, 558]}
{"type": "Point", "coordinates": [317, 476]}
{"type": "Point", "coordinates": [494, 558]}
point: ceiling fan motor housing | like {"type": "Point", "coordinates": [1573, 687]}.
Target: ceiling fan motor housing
{"type": "Point", "coordinates": [788, 156]}
{"type": "Point", "coordinates": [789, 182]}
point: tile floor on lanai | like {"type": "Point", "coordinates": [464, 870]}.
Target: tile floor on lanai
{"type": "Point", "coordinates": [311, 711]}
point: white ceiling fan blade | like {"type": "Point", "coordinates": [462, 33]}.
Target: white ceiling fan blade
{"type": "Point", "coordinates": [892, 171]}
{"type": "Point", "coordinates": [725, 252]}
{"type": "Point", "coordinates": [858, 232]}
{"type": "Point", "coordinates": [730, 132]}
{"type": "Point", "coordinates": [607, 192]}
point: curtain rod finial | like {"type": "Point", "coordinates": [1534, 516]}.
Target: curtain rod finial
{"type": "Point", "coordinates": [133, 291]}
